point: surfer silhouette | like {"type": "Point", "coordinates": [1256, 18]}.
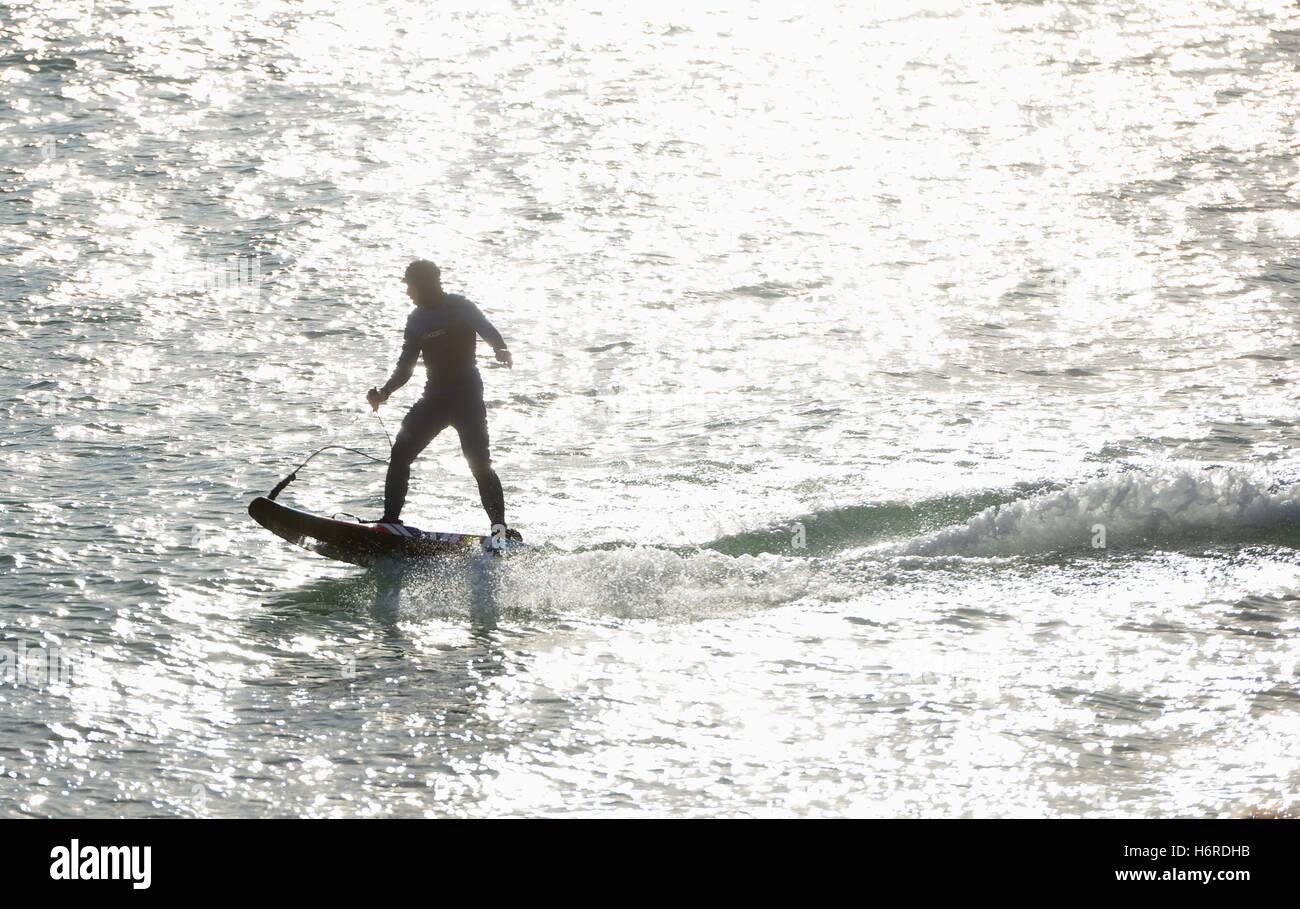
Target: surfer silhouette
{"type": "Point", "coordinates": [442, 329]}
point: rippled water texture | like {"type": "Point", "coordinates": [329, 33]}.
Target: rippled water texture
{"type": "Point", "coordinates": [904, 407]}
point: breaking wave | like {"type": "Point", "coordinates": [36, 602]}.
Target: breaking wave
{"type": "Point", "coordinates": [1128, 510]}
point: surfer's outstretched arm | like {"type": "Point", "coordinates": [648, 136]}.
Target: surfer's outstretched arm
{"type": "Point", "coordinates": [487, 331]}
{"type": "Point", "coordinates": [401, 375]}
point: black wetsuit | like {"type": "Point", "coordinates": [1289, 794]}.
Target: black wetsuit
{"type": "Point", "coordinates": [453, 396]}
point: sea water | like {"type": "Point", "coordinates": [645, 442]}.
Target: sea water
{"type": "Point", "coordinates": [904, 407]}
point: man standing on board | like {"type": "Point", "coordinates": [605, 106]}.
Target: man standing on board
{"type": "Point", "coordinates": [442, 328]}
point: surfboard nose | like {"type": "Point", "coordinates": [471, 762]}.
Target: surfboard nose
{"type": "Point", "coordinates": [260, 510]}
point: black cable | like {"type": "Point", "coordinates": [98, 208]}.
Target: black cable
{"type": "Point", "coordinates": [293, 474]}
{"type": "Point", "coordinates": [384, 428]}
{"type": "Point", "coordinates": [363, 454]}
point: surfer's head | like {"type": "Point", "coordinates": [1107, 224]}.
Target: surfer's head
{"type": "Point", "coordinates": [423, 282]}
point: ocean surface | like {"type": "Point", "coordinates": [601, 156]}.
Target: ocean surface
{"type": "Point", "coordinates": [904, 408]}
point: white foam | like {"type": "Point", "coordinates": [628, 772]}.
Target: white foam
{"type": "Point", "coordinates": [650, 582]}
{"type": "Point", "coordinates": [1129, 509]}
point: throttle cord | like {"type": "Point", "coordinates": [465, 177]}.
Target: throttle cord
{"type": "Point", "coordinates": [383, 427]}
{"type": "Point", "coordinates": [293, 475]}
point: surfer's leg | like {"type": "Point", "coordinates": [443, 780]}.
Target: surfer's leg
{"type": "Point", "coordinates": [422, 424]}
{"type": "Point", "coordinates": [471, 425]}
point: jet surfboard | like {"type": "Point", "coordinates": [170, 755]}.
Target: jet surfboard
{"type": "Point", "coordinates": [366, 544]}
